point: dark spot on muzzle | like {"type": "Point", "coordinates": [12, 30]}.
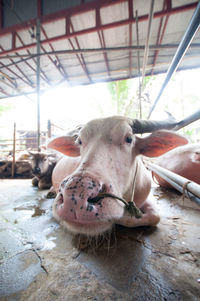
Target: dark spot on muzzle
{"type": "Point", "coordinates": [74, 199]}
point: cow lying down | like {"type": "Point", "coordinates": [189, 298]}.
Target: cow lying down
{"type": "Point", "coordinates": [104, 157]}
{"type": "Point", "coordinates": [42, 167]}
{"type": "Point", "coordinates": [184, 161]}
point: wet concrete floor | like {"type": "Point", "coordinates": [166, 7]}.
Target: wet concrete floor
{"type": "Point", "coordinates": [41, 261]}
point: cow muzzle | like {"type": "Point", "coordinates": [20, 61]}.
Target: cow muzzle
{"type": "Point", "coordinates": [74, 205]}
{"type": "Point", "coordinates": [36, 171]}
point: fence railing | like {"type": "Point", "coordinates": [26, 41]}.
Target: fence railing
{"type": "Point", "coordinates": [25, 140]}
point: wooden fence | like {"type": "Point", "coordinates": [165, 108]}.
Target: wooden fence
{"type": "Point", "coordinates": [25, 140]}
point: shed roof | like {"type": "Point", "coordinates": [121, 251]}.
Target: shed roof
{"type": "Point", "coordinates": [89, 41]}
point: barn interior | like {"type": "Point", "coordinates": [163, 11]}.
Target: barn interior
{"type": "Point", "coordinates": [48, 43]}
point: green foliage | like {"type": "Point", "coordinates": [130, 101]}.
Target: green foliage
{"type": "Point", "coordinates": [5, 108]}
{"type": "Point", "coordinates": [124, 103]}
{"type": "Point", "coordinates": [119, 91]}
{"type": "Point", "coordinates": [148, 81]}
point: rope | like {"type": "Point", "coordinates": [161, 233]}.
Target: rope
{"type": "Point", "coordinates": [185, 190]}
{"type": "Point", "coordinates": [130, 206]}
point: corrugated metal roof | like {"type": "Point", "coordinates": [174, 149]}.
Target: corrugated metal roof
{"type": "Point", "coordinates": [88, 35]}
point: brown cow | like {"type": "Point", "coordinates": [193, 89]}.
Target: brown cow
{"type": "Point", "coordinates": [42, 168]}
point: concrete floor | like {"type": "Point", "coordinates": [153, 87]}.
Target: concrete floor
{"type": "Point", "coordinates": [41, 261]}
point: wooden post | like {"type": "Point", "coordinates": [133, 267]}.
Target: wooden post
{"type": "Point", "coordinates": [14, 147]}
{"type": "Point", "coordinates": [49, 128]}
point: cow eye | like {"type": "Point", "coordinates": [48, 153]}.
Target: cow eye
{"type": "Point", "coordinates": [129, 139]}
{"type": "Point", "coordinates": [79, 141]}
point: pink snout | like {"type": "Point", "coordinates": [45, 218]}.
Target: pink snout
{"type": "Point", "coordinates": [74, 200]}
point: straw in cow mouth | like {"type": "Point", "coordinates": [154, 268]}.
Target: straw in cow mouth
{"type": "Point", "coordinates": [132, 209]}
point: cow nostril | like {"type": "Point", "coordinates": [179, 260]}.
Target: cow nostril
{"type": "Point", "coordinates": [103, 189]}
{"type": "Point", "coordinates": [60, 200]}
{"type": "Point", "coordinates": [95, 199]}
{"type": "Point", "coordinates": [36, 170]}
{"type": "Point", "coordinates": [99, 196]}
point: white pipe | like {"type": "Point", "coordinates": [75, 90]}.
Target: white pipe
{"type": "Point", "coordinates": [173, 178]}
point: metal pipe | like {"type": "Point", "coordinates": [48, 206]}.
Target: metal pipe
{"type": "Point", "coordinates": [146, 51]}
{"type": "Point", "coordinates": [194, 117]}
{"type": "Point", "coordinates": [49, 127]}
{"type": "Point", "coordinates": [14, 150]}
{"type": "Point", "coordinates": [178, 182]}
{"type": "Point", "coordinates": [4, 54]}
{"type": "Point", "coordinates": [38, 82]}
{"type": "Point", "coordinates": [183, 46]}
{"type": "Point", "coordinates": [160, 35]}
{"type": "Point", "coordinates": [138, 60]}
{"type": "Point", "coordinates": [179, 188]}
{"type": "Point", "coordinates": [91, 6]}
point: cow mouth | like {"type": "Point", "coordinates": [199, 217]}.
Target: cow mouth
{"type": "Point", "coordinates": [89, 229]}
{"type": "Point", "coordinates": [91, 220]}
{"type": "Point", "coordinates": [90, 212]}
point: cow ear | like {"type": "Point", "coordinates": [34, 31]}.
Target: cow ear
{"type": "Point", "coordinates": [65, 145]}
{"type": "Point", "coordinates": [159, 143]}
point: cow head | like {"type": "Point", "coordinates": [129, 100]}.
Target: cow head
{"type": "Point", "coordinates": [39, 162]}
{"type": "Point", "coordinates": [107, 149]}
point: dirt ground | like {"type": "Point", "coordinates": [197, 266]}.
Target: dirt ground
{"type": "Point", "coordinates": [41, 261]}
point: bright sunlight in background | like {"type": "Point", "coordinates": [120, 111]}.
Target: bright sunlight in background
{"type": "Point", "coordinates": [67, 107]}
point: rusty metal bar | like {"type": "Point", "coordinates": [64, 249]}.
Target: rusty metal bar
{"type": "Point", "coordinates": [16, 89]}
{"type": "Point", "coordinates": [27, 81]}
{"type": "Point", "coordinates": [58, 66]}
{"type": "Point", "coordinates": [90, 6]}
{"type": "Point", "coordinates": [130, 12]}
{"type": "Point", "coordinates": [4, 92]}
{"type": "Point", "coordinates": [103, 44]}
{"type": "Point", "coordinates": [183, 46]}
{"type": "Point", "coordinates": [90, 50]}
{"type": "Point", "coordinates": [29, 53]}
{"type": "Point", "coordinates": [160, 35]}
{"type": "Point", "coordinates": [101, 39]}
{"type": "Point", "coordinates": [81, 58]}
{"type": "Point", "coordinates": [13, 72]}
{"type": "Point", "coordinates": [4, 75]}
{"type": "Point", "coordinates": [178, 182]}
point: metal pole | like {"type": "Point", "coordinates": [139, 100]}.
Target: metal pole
{"type": "Point", "coordinates": [138, 59]}
{"type": "Point", "coordinates": [38, 82]}
{"type": "Point", "coordinates": [188, 120]}
{"type": "Point", "coordinates": [180, 52]}
{"type": "Point", "coordinates": [14, 149]}
{"type": "Point", "coordinates": [146, 51]}
{"type": "Point", "coordinates": [178, 182]}
{"type": "Point", "coordinates": [49, 128]}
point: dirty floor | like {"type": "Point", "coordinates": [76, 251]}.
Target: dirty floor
{"type": "Point", "coordinates": [41, 261]}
